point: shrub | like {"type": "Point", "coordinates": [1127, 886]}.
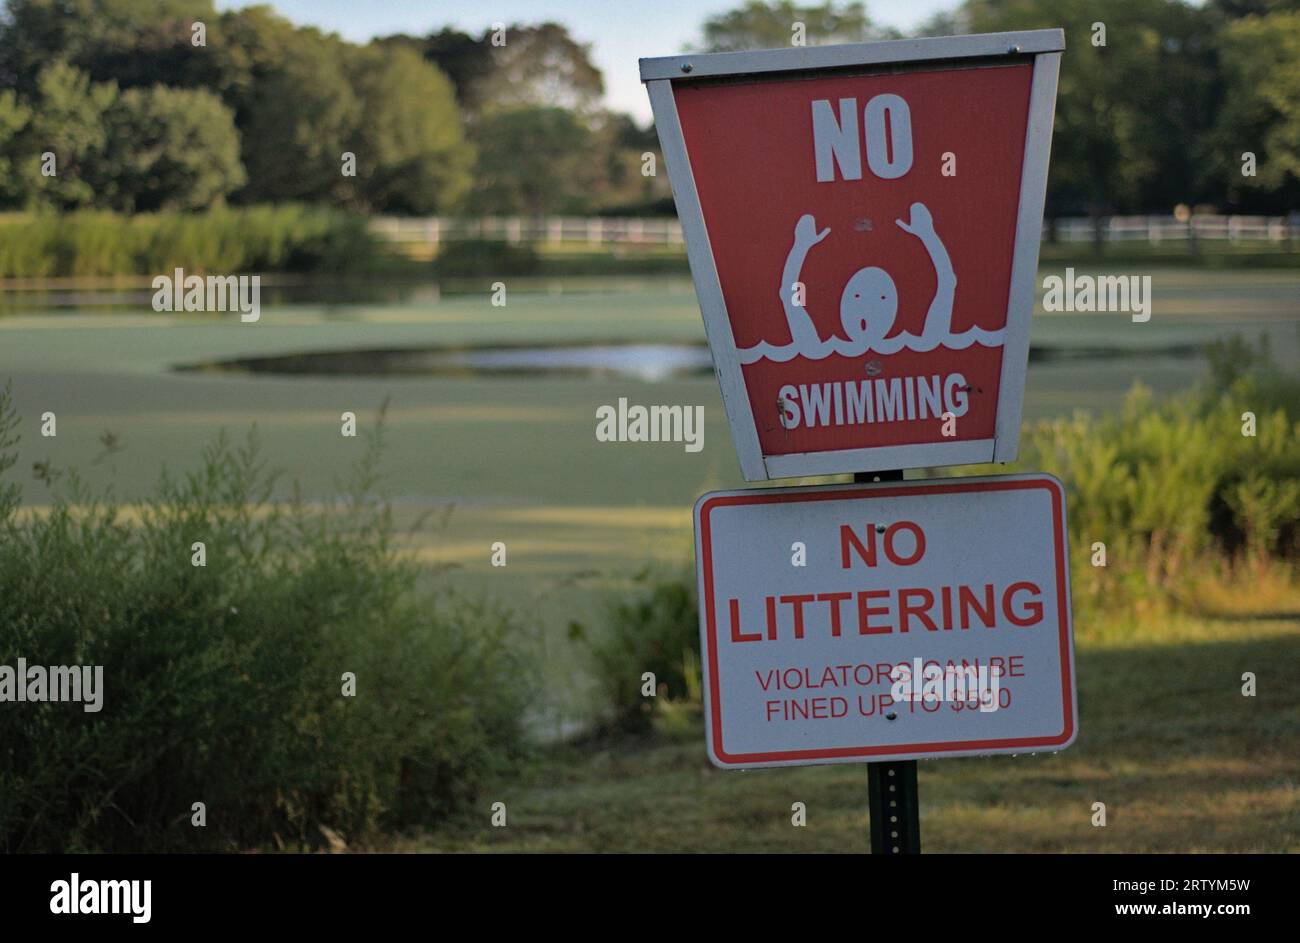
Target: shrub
{"type": "Point", "coordinates": [223, 683]}
{"type": "Point", "coordinates": [28, 246]}
{"type": "Point", "coordinates": [287, 238]}
{"type": "Point", "coordinates": [1175, 486]}
{"type": "Point", "coordinates": [653, 628]}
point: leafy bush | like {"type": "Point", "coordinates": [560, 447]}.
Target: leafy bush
{"type": "Point", "coordinates": [289, 238]}
{"type": "Point", "coordinates": [1175, 486]}
{"type": "Point", "coordinates": [654, 628]}
{"type": "Point", "coordinates": [223, 683]}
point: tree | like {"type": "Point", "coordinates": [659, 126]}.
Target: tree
{"type": "Point", "coordinates": [540, 66]}
{"type": "Point", "coordinates": [412, 156]}
{"type": "Point", "coordinates": [1239, 8]}
{"type": "Point", "coordinates": [171, 149]}
{"type": "Point", "coordinates": [1131, 115]}
{"type": "Point", "coordinates": [66, 121]}
{"type": "Point", "coordinates": [619, 146]}
{"type": "Point", "coordinates": [759, 25]}
{"type": "Point", "coordinates": [133, 150]}
{"type": "Point", "coordinates": [123, 41]}
{"type": "Point", "coordinates": [533, 161]}
{"type": "Point", "coordinates": [300, 122]}
{"type": "Point", "coordinates": [14, 116]}
{"type": "Point", "coordinates": [1261, 109]}
{"type": "Point", "coordinates": [255, 42]}
{"type": "Point", "coordinates": [518, 66]}
{"type": "Point", "coordinates": [465, 60]}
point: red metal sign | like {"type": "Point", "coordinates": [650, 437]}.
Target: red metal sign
{"type": "Point", "coordinates": [865, 244]}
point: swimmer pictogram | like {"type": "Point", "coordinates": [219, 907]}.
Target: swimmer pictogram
{"type": "Point", "coordinates": [869, 304]}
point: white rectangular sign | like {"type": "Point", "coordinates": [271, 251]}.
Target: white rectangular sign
{"type": "Point", "coordinates": [899, 620]}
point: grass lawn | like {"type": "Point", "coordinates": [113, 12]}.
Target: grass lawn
{"type": "Point", "coordinates": [1182, 761]}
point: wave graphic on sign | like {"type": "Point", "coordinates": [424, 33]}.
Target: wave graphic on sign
{"type": "Point", "coordinates": [869, 305]}
{"type": "Point", "coordinates": [890, 345]}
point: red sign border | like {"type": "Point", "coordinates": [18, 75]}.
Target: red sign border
{"type": "Point", "coordinates": [708, 622]}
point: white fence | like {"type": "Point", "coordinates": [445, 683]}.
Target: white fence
{"type": "Point", "coordinates": [424, 235]}
{"type": "Point", "coordinates": [588, 230]}
{"type": "Point", "coordinates": [1157, 229]}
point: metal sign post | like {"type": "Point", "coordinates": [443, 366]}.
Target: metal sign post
{"type": "Point", "coordinates": [893, 802]}
{"type": "Point", "coordinates": [895, 808]}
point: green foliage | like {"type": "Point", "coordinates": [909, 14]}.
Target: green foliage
{"type": "Point", "coordinates": [411, 150]}
{"type": "Point", "coordinates": [542, 143]}
{"type": "Point", "coordinates": [623, 186]}
{"type": "Point", "coordinates": [223, 683]}
{"type": "Point", "coordinates": [141, 120]}
{"type": "Point", "coordinates": [1131, 115]}
{"type": "Point", "coordinates": [126, 41]}
{"type": "Point", "coordinates": [67, 122]}
{"type": "Point", "coordinates": [305, 100]}
{"type": "Point", "coordinates": [1172, 486]}
{"type": "Point", "coordinates": [143, 149]}
{"type": "Point", "coordinates": [250, 46]}
{"type": "Point", "coordinates": [14, 116]}
{"type": "Point", "coordinates": [176, 149]}
{"type": "Point", "coordinates": [249, 239]}
{"type": "Point", "coordinates": [532, 161]}
{"type": "Point", "coordinates": [1261, 113]}
{"type": "Point", "coordinates": [759, 25]}
{"type": "Point", "coordinates": [539, 66]}
{"type": "Point", "coordinates": [298, 126]}
{"type": "Point", "coordinates": [466, 60]}
{"type": "Point", "coordinates": [518, 66]}
{"type": "Point", "coordinates": [653, 628]}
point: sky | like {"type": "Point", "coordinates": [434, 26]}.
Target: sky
{"type": "Point", "coordinates": [619, 31]}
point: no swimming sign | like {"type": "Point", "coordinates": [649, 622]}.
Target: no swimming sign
{"type": "Point", "coordinates": [863, 225]}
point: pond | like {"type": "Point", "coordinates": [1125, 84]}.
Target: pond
{"type": "Point", "coordinates": [649, 362]}
{"type": "Point", "coordinates": [638, 361]}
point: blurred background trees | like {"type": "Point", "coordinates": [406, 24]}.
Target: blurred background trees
{"type": "Point", "coordinates": [759, 25]}
{"type": "Point", "coordinates": [140, 118]}
{"type": "Point", "coordinates": [1154, 116]}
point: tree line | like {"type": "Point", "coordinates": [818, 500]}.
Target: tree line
{"type": "Point", "coordinates": [144, 105]}
{"type": "Point", "coordinates": [1160, 102]}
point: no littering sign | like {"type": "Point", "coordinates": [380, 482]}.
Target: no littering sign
{"type": "Point", "coordinates": [899, 620]}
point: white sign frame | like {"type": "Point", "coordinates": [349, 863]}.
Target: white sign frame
{"type": "Point", "coordinates": [1044, 47]}
{"type": "Point", "coordinates": [710, 626]}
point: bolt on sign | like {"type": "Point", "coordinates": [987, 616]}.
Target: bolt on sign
{"type": "Point", "coordinates": [900, 620]}
{"type": "Point", "coordinates": [862, 223]}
